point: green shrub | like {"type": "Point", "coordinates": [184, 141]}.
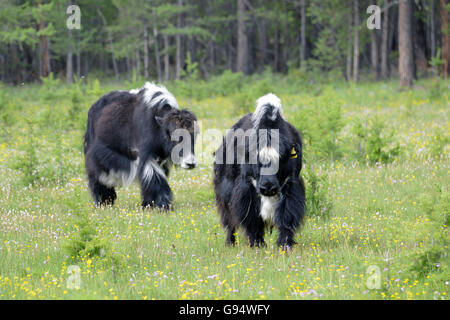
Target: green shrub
{"type": "Point", "coordinates": [27, 163]}
{"type": "Point", "coordinates": [8, 110]}
{"type": "Point", "coordinates": [439, 142]}
{"type": "Point", "coordinates": [374, 143]}
{"type": "Point", "coordinates": [55, 170]}
{"type": "Point", "coordinates": [245, 100]}
{"type": "Point", "coordinates": [5, 113]}
{"type": "Point", "coordinates": [436, 206]}
{"type": "Point", "coordinates": [94, 88]}
{"type": "Point", "coordinates": [436, 91]}
{"type": "Point", "coordinates": [75, 109]}
{"type": "Point", "coordinates": [316, 193]}
{"type": "Point", "coordinates": [320, 126]}
{"type": "Point", "coordinates": [85, 242]}
{"type": "Point", "coordinates": [433, 259]}
{"type": "Point", "coordinates": [227, 83]}
{"type": "Point", "coordinates": [48, 89]}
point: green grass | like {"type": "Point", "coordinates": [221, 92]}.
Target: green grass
{"type": "Point", "coordinates": [392, 215]}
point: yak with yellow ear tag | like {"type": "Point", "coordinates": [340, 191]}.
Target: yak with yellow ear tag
{"type": "Point", "coordinates": [268, 190]}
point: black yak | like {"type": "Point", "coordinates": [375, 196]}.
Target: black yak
{"type": "Point", "coordinates": [130, 134]}
{"type": "Point", "coordinates": [257, 178]}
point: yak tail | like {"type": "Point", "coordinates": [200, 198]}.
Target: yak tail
{"type": "Point", "coordinates": [268, 107]}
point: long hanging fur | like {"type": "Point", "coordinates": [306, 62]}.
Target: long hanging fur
{"type": "Point", "coordinates": [237, 186]}
{"type": "Point", "coordinates": [124, 141]}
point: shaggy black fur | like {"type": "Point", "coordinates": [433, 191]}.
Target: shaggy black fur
{"type": "Point", "coordinates": [240, 188]}
{"type": "Point", "coordinates": [129, 134]}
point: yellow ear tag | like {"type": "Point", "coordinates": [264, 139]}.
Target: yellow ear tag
{"type": "Point", "coordinates": [293, 153]}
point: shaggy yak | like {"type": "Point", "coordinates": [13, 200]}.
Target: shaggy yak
{"type": "Point", "coordinates": [130, 134]}
{"type": "Point", "coordinates": [267, 190]}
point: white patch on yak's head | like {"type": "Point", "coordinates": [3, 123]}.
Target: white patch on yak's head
{"type": "Point", "coordinates": [155, 94]}
{"type": "Point", "coordinates": [263, 106]}
{"type": "Point", "coordinates": [268, 155]}
{"type": "Point", "coordinates": [269, 160]}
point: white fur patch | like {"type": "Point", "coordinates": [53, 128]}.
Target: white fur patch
{"type": "Point", "coordinates": [150, 89]}
{"type": "Point", "coordinates": [269, 155]}
{"type": "Point", "coordinates": [150, 169]}
{"type": "Point", "coordinates": [268, 206]}
{"type": "Point", "coordinates": [119, 178]}
{"type": "Point", "coordinates": [188, 160]}
{"type": "Point", "coordinates": [262, 106]}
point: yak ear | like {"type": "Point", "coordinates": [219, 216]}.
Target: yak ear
{"type": "Point", "coordinates": [159, 120]}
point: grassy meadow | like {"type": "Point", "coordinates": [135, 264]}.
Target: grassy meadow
{"type": "Point", "coordinates": [376, 166]}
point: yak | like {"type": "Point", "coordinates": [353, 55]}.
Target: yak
{"type": "Point", "coordinates": [130, 135]}
{"type": "Point", "coordinates": [257, 179]}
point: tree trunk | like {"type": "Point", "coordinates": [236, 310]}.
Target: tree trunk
{"type": "Point", "coordinates": [242, 47]}
{"type": "Point", "coordinates": [374, 54]}
{"type": "Point", "coordinates": [102, 49]}
{"type": "Point", "coordinates": [445, 15]}
{"type": "Point", "coordinates": [432, 35]}
{"type": "Point", "coordinates": [166, 57]}
{"type": "Point", "coordinates": [356, 41]}
{"type": "Point", "coordinates": [138, 63]}
{"type": "Point", "coordinates": [385, 42]}
{"type": "Point", "coordinates": [285, 41]}
{"type": "Point", "coordinates": [145, 51]}
{"type": "Point", "coordinates": [158, 61]}
{"type": "Point", "coordinates": [212, 55]}
{"type": "Point", "coordinates": [230, 53]}
{"type": "Point", "coordinates": [405, 45]}
{"type": "Point", "coordinates": [128, 66]}
{"type": "Point", "coordinates": [86, 64]}
{"type": "Point", "coordinates": [78, 64]}
{"type": "Point", "coordinates": [261, 25]}
{"type": "Point", "coordinates": [178, 63]}
{"type": "Point", "coordinates": [419, 32]}
{"type": "Point", "coordinates": [276, 47]}
{"type": "Point", "coordinates": [45, 55]}
{"type": "Point", "coordinates": [111, 45]}
{"type": "Point", "coordinates": [3, 65]}
{"type": "Point", "coordinates": [15, 63]}
{"type": "Point", "coordinates": [69, 62]}
{"type": "Point", "coordinates": [303, 34]}
{"type": "Point", "coordinates": [349, 48]}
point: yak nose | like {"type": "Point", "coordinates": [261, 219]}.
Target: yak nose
{"type": "Point", "coordinates": [189, 162]}
{"type": "Point", "coordinates": [190, 165]}
{"type": "Point", "coordinates": [268, 190]}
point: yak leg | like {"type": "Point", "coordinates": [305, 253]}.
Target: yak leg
{"type": "Point", "coordinates": [155, 189]}
{"type": "Point", "coordinates": [290, 211]}
{"type": "Point", "coordinates": [246, 205]}
{"type": "Point", "coordinates": [102, 194]}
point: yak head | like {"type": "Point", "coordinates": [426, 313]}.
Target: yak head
{"type": "Point", "coordinates": [276, 155]}
{"type": "Point", "coordinates": [180, 130]}
{"type": "Point", "coordinates": [272, 163]}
